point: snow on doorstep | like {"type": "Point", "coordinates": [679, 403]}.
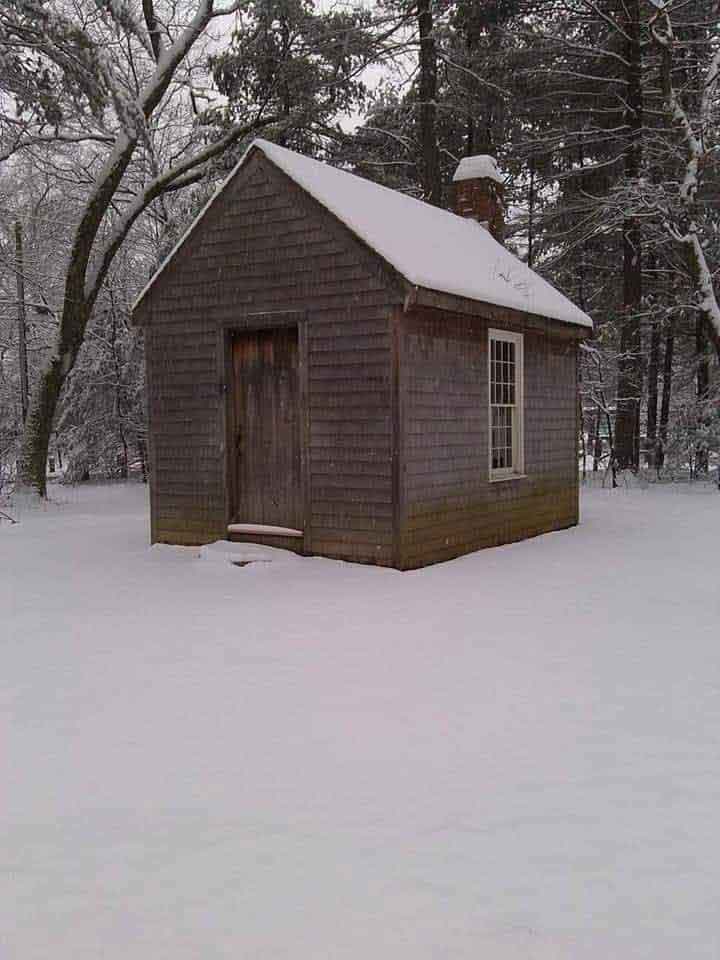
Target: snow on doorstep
{"type": "Point", "coordinates": [229, 552]}
{"type": "Point", "coordinates": [481, 166]}
{"type": "Point", "coordinates": [430, 247]}
{"type": "Point", "coordinates": [223, 551]}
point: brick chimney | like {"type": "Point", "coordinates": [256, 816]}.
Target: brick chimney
{"type": "Point", "coordinates": [478, 193]}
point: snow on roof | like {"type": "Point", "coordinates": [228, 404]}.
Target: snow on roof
{"type": "Point", "coordinates": [429, 247]}
{"type": "Point", "coordinates": [471, 168]}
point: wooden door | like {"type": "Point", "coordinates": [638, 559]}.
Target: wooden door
{"type": "Point", "coordinates": [268, 485]}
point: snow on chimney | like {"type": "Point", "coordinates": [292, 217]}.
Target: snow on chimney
{"type": "Point", "coordinates": [478, 193]}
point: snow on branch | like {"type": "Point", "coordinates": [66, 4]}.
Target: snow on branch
{"type": "Point", "coordinates": [226, 10]}
{"type": "Point", "coordinates": [608, 20]}
{"type": "Point", "coordinates": [31, 140]}
{"type": "Point", "coordinates": [696, 151]}
{"type": "Point", "coordinates": [121, 12]}
{"type": "Point", "coordinates": [181, 175]}
{"type": "Point", "coordinates": [116, 163]}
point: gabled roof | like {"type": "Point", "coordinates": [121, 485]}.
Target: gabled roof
{"type": "Point", "coordinates": [431, 248]}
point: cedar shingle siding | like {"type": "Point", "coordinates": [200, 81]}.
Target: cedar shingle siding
{"type": "Point", "coordinates": [450, 507]}
{"type": "Point", "coordinates": [393, 401]}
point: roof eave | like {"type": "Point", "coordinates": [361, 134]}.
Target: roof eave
{"type": "Point", "coordinates": [425, 297]}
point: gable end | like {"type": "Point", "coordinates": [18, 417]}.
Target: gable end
{"type": "Point", "coordinates": [257, 169]}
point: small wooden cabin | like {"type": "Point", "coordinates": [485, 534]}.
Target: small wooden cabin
{"type": "Point", "coordinates": [341, 369]}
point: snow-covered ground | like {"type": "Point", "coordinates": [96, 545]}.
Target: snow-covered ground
{"type": "Point", "coordinates": [512, 756]}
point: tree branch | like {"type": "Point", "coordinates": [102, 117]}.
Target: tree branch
{"type": "Point", "coordinates": [153, 28]}
{"type": "Point", "coordinates": [176, 178]}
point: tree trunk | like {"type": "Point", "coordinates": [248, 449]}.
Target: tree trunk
{"type": "Point", "coordinates": [39, 426]}
{"type": "Point", "coordinates": [627, 426]}
{"type": "Point", "coordinates": [432, 186]}
{"type": "Point", "coordinates": [119, 406]}
{"type": "Point", "coordinates": [124, 464]}
{"type": "Point", "coordinates": [142, 454]}
{"type": "Point", "coordinates": [531, 213]}
{"type": "Point", "coordinates": [652, 388]}
{"type": "Point", "coordinates": [597, 441]}
{"type": "Point", "coordinates": [22, 348]}
{"type": "Point", "coordinates": [703, 368]}
{"type": "Point", "coordinates": [667, 382]}
{"type": "Point", "coordinates": [703, 385]}
{"type": "Point", "coordinates": [46, 395]}
{"type": "Point", "coordinates": [472, 26]}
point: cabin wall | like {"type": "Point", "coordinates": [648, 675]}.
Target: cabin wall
{"type": "Point", "coordinates": [449, 507]}
{"type": "Point", "coordinates": [266, 247]}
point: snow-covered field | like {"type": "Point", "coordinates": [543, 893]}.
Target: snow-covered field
{"type": "Point", "coordinates": [512, 756]}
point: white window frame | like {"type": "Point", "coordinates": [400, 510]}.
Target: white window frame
{"type": "Point", "coordinates": [518, 433]}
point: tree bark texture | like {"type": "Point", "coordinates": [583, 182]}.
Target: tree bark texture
{"type": "Point", "coordinates": [667, 381]}
{"type": "Point", "coordinates": [22, 346]}
{"type": "Point", "coordinates": [431, 181]}
{"type": "Point", "coordinates": [652, 383]}
{"type": "Point", "coordinates": [629, 390]}
{"type": "Point", "coordinates": [701, 354]}
{"type": "Point", "coordinates": [702, 379]}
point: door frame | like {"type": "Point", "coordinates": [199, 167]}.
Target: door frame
{"type": "Point", "coordinates": [253, 323]}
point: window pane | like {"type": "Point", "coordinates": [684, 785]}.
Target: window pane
{"type": "Point", "coordinates": [504, 355]}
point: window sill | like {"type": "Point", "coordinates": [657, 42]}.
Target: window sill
{"type": "Point", "coordinates": [510, 476]}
